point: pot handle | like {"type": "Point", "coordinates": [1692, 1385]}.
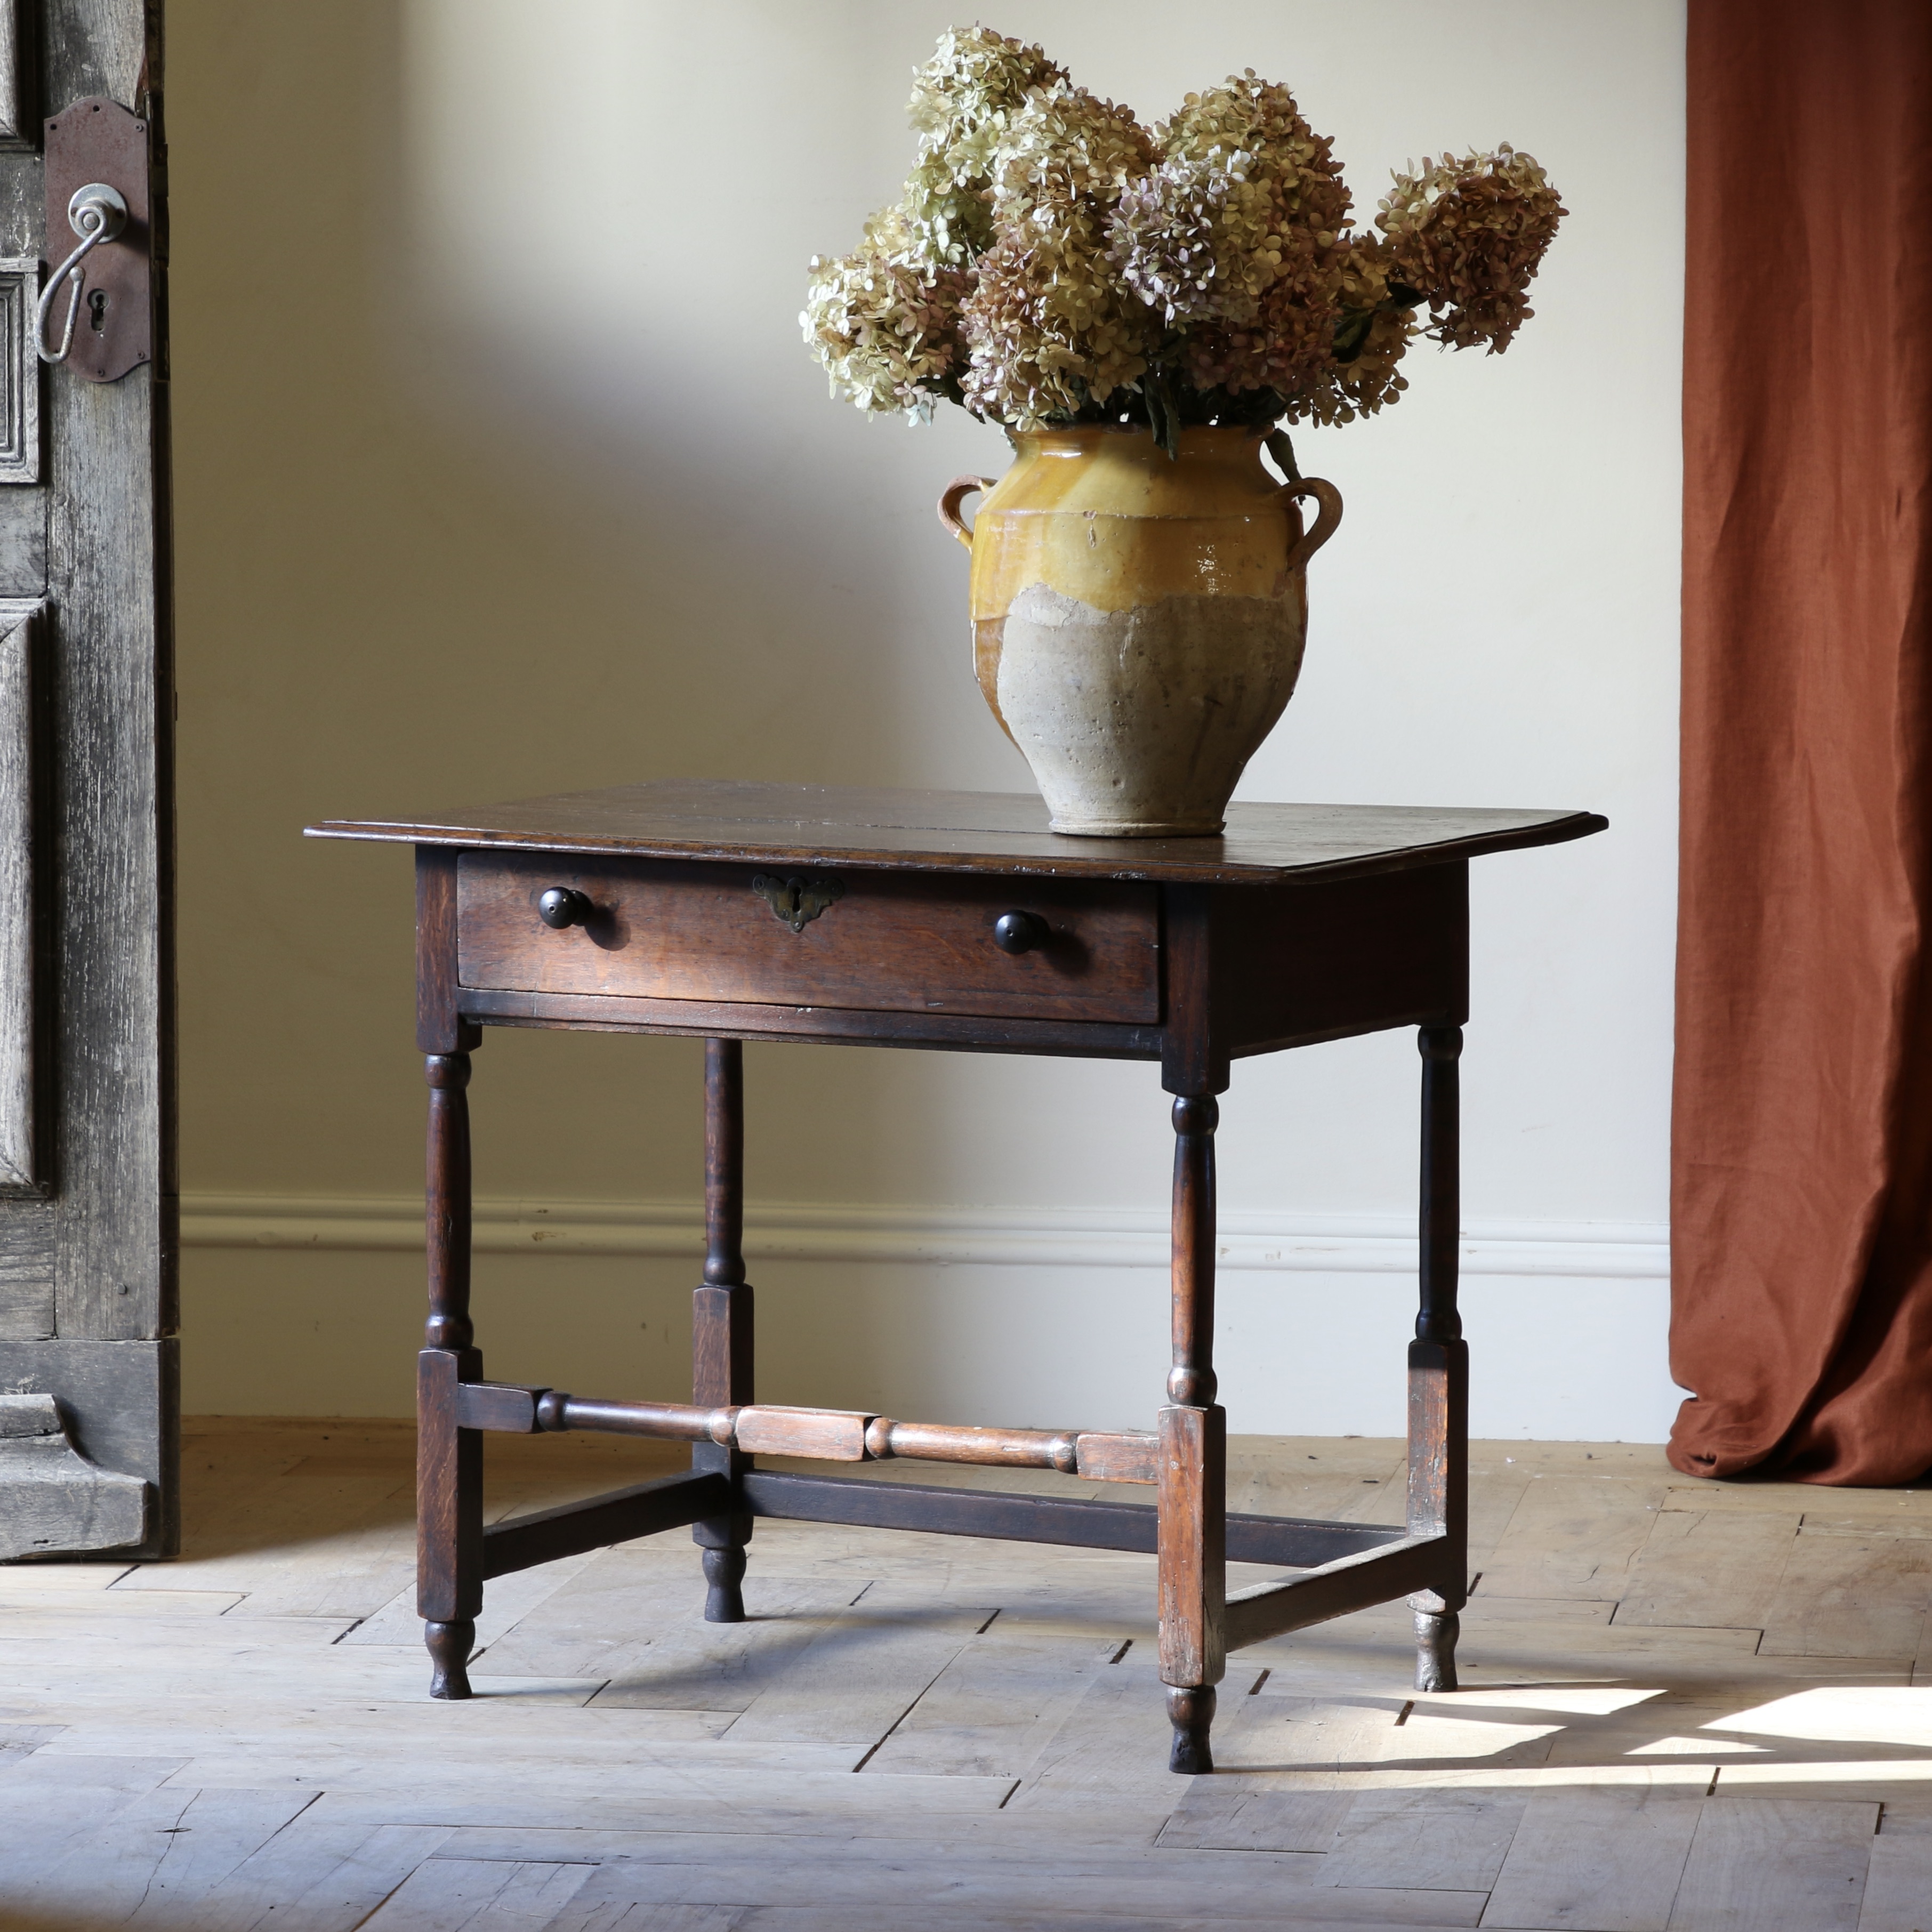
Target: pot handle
{"type": "Point", "coordinates": [955, 493]}
{"type": "Point", "coordinates": [1326, 524]}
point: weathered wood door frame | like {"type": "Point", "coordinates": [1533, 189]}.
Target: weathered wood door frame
{"type": "Point", "coordinates": [88, 1231]}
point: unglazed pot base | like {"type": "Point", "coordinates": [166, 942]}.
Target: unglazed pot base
{"type": "Point", "coordinates": [1138, 723]}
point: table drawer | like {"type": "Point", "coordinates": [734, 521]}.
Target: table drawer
{"type": "Point", "coordinates": [874, 941]}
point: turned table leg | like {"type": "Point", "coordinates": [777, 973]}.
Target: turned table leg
{"type": "Point", "coordinates": [1192, 1494]}
{"type": "Point", "coordinates": [721, 1322]}
{"type": "Point", "coordinates": [1438, 1373]}
{"type": "Point", "coordinates": [449, 1460]}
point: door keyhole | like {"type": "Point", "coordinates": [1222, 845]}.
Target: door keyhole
{"type": "Point", "coordinates": [96, 310]}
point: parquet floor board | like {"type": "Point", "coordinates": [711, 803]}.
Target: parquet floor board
{"type": "Point", "coordinates": [1756, 1862]}
{"type": "Point", "coordinates": [1599, 1859]}
{"type": "Point", "coordinates": [317, 1876]}
{"type": "Point", "coordinates": [1687, 1707]}
{"type": "Point", "coordinates": [1851, 1592]}
{"type": "Point", "coordinates": [1898, 1884]}
{"type": "Point", "coordinates": [1572, 1538]}
{"type": "Point", "coordinates": [1718, 1568]}
{"type": "Point", "coordinates": [453, 1894]}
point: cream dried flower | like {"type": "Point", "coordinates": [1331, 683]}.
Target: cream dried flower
{"type": "Point", "coordinates": [1469, 233]}
{"type": "Point", "coordinates": [1248, 116]}
{"type": "Point", "coordinates": [1066, 146]}
{"type": "Point", "coordinates": [885, 324]}
{"type": "Point", "coordinates": [963, 102]}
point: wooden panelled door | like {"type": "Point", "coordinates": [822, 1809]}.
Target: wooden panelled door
{"type": "Point", "coordinates": [88, 1368]}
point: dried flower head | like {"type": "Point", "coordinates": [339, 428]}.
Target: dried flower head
{"type": "Point", "coordinates": [1376, 325]}
{"type": "Point", "coordinates": [1050, 332]}
{"type": "Point", "coordinates": [1046, 345]}
{"type": "Point", "coordinates": [1064, 147]}
{"type": "Point", "coordinates": [1469, 233]}
{"type": "Point", "coordinates": [1286, 345]}
{"type": "Point", "coordinates": [885, 324]}
{"type": "Point", "coordinates": [1197, 240]}
{"type": "Point", "coordinates": [963, 102]}
{"type": "Point", "coordinates": [1255, 118]}
{"type": "Point", "coordinates": [1233, 238]}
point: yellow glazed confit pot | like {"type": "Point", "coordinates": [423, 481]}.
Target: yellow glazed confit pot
{"type": "Point", "coordinates": [1138, 619]}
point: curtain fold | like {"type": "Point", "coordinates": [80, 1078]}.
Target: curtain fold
{"type": "Point", "coordinates": [1801, 1135]}
{"type": "Point", "coordinates": [1802, 1129]}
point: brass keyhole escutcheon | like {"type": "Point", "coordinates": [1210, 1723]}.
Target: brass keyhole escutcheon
{"type": "Point", "coordinates": [798, 901]}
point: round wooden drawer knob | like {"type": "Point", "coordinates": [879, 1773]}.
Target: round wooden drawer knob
{"type": "Point", "coordinates": [1019, 932]}
{"type": "Point", "coordinates": [560, 907]}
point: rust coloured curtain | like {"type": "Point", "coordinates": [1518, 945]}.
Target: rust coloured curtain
{"type": "Point", "coordinates": [1801, 1132]}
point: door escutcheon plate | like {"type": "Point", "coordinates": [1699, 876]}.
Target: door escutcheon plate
{"type": "Point", "coordinates": [98, 139]}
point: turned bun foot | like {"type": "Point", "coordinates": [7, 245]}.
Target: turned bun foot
{"type": "Point", "coordinates": [1191, 1714]}
{"type": "Point", "coordinates": [724, 1573]}
{"type": "Point", "coordinates": [1435, 1635]}
{"type": "Point", "coordinates": [449, 1645]}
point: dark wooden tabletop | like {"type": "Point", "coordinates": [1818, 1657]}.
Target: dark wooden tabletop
{"type": "Point", "coordinates": [854, 826]}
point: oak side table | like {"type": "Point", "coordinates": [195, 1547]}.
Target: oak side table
{"type": "Point", "coordinates": [735, 912]}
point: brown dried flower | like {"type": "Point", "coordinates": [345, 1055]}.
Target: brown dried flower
{"type": "Point", "coordinates": [1469, 233]}
{"type": "Point", "coordinates": [1050, 332]}
{"type": "Point", "coordinates": [1233, 239]}
{"type": "Point", "coordinates": [1286, 346]}
{"type": "Point", "coordinates": [1375, 328]}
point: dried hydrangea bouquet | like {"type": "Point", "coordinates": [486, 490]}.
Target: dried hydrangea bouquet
{"type": "Point", "coordinates": [1141, 307]}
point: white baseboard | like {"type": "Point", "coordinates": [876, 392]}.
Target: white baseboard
{"type": "Point", "coordinates": [1031, 1237]}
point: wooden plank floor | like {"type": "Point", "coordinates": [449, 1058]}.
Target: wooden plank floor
{"type": "Point", "coordinates": [1687, 1708]}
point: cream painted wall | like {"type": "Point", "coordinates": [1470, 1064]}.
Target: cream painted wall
{"type": "Point", "coordinates": [500, 470]}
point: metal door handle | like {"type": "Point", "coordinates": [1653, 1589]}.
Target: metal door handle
{"type": "Point", "coordinates": [96, 213]}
